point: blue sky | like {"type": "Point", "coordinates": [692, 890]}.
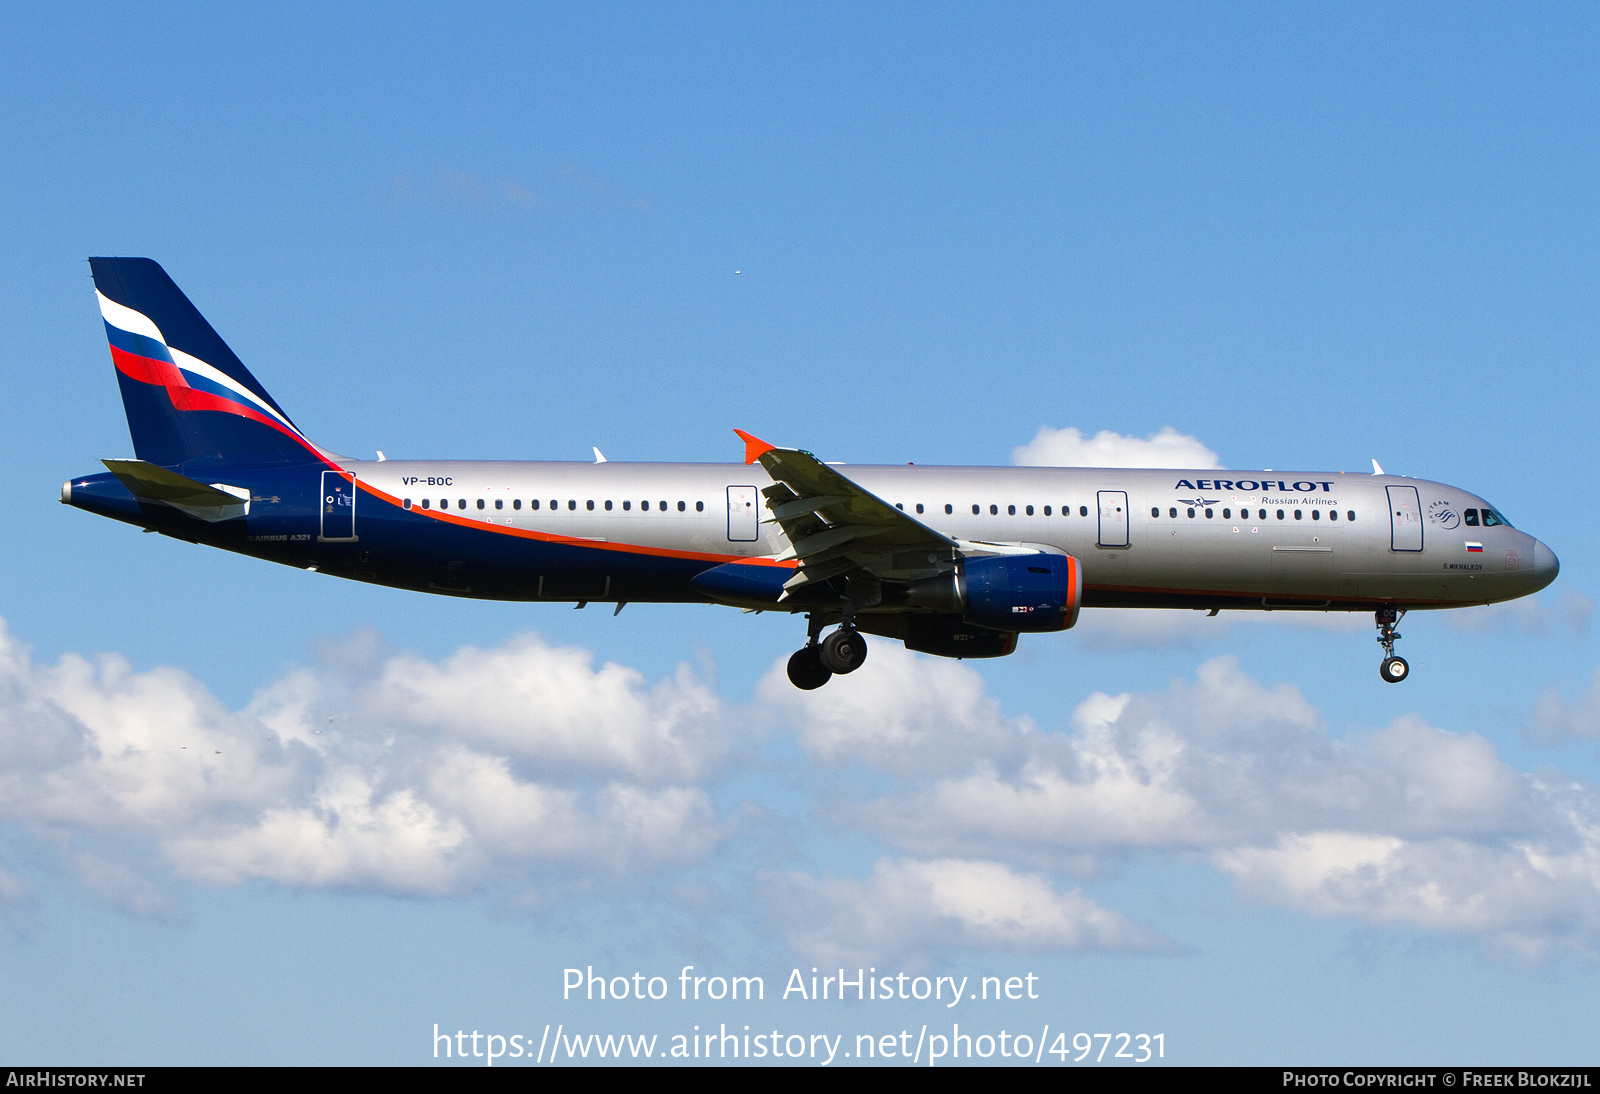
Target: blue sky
{"type": "Point", "coordinates": [1301, 237]}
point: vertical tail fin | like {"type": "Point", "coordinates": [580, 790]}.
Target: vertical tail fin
{"type": "Point", "coordinates": [190, 402]}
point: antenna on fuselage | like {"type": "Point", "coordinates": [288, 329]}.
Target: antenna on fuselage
{"type": "Point", "coordinates": [1376, 470]}
{"type": "Point", "coordinates": [599, 457]}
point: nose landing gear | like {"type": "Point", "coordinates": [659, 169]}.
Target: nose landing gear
{"type": "Point", "coordinates": [1393, 669]}
{"type": "Point", "coordinates": [841, 652]}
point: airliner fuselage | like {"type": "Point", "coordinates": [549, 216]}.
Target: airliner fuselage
{"type": "Point", "coordinates": [952, 560]}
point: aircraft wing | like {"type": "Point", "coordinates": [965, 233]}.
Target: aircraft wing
{"type": "Point", "coordinates": [836, 527]}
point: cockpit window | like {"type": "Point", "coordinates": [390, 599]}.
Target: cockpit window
{"type": "Point", "coordinates": [1492, 518]}
{"type": "Point", "coordinates": [1471, 518]}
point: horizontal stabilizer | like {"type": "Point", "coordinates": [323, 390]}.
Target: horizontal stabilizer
{"type": "Point", "coordinates": [150, 482]}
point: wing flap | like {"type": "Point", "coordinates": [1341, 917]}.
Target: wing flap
{"type": "Point", "coordinates": [836, 527]}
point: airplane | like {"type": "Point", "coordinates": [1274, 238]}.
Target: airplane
{"type": "Point", "coordinates": [952, 561]}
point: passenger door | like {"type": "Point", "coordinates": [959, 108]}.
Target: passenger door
{"type": "Point", "coordinates": [1405, 519]}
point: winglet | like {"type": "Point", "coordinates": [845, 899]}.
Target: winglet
{"type": "Point", "coordinates": [754, 447]}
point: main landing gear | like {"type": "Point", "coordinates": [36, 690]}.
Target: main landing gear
{"type": "Point", "coordinates": [841, 652]}
{"type": "Point", "coordinates": [1393, 669]}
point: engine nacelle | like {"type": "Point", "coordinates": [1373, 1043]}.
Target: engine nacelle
{"type": "Point", "coordinates": [948, 636]}
{"type": "Point", "coordinates": [1008, 593]}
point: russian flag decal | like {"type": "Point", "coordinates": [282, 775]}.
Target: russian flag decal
{"type": "Point", "coordinates": [1474, 548]}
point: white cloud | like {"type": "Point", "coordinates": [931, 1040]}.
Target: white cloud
{"type": "Point", "coordinates": [908, 908]}
{"type": "Point", "coordinates": [1070, 448]}
{"type": "Point", "coordinates": [1407, 825]}
{"type": "Point", "coordinates": [1175, 628]}
{"type": "Point", "coordinates": [390, 774]}
{"type": "Point", "coordinates": [1555, 721]}
{"type": "Point", "coordinates": [551, 705]}
{"type": "Point", "coordinates": [1521, 897]}
{"type": "Point", "coordinates": [906, 713]}
{"type": "Point", "coordinates": [1569, 610]}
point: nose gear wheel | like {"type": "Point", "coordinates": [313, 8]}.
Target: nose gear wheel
{"type": "Point", "coordinates": [1393, 669]}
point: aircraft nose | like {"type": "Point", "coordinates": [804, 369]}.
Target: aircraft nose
{"type": "Point", "coordinates": [1545, 565]}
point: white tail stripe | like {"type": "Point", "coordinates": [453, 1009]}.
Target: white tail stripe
{"type": "Point", "coordinates": [127, 319]}
{"type": "Point", "coordinates": [193, 364]}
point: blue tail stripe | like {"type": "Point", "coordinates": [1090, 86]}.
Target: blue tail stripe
{"type": "Point", "coordinates": [141, 284]}
{"type": "Point", "coordinates": [137, 343]}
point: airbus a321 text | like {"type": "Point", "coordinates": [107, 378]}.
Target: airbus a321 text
{"type": "Point", "coordinates": [954, 561]}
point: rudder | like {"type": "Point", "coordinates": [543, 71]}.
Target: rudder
{"type": "Point", "coordinates": [190, 401]}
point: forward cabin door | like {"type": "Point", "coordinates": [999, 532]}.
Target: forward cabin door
{"type": "Point", "coordinates": [744, 519]}
{"type": "Point", "coordinates": [1405, 519]}
{"type": "Point", "coordinates": [1113, 518]}
{"type": "Point", "coordinates": [338, 505]}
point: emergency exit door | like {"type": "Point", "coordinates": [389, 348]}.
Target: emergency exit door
{"type": "Point", "coordinates": [1113, 518]}
{"type": "Point", "coordinates": [744, 518]}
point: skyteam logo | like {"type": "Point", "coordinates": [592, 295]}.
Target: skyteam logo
{"type": "Point", "coordinates": [140, 351]}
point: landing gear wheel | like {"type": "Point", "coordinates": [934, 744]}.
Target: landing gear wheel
{"type": "Point", "coordinates": [806, 670]}
{"type": "Point", "coordinates": [843, 651]}
{"type": "Point", "coordinates": [1394, 669]}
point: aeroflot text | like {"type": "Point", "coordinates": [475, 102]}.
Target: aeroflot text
{"type": "Point", "coordinates": [1251, 486]}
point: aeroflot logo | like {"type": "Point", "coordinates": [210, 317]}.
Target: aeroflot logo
{"type": "Point", "coordinates": [1255, 485]}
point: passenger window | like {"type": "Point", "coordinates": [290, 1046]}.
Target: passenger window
{"type": "Point", "coordinates": [994, 510]}
{"type": "Point", "coordinates": [662, 507]}
{"type": "Point", "coordinates": [499, 503]}
{"type": "Point", "coordinates": [1191, 513]}
{"type": "Point", "coordinates": [1350, 514]}
{"type": "Point", "coordinates": [1227, 514]}
{"type": "Point", "coordinates": [1471, 517]}
{"type": "Point", "coordinates": [644, 505]}
{"type": "Point", "coordinates": [572, 503]}
{"type": "Point", "coordinates": [1029, 510]}
{"type": "Point", "coordinates": [699, 507]}
{"type": "Point", "coordinates": [480, 503]}
{"type": "Point", "coordinates": [900, 505]}
{"type": "Point", "coordinates": [1011, 510]}
{"type": "Point", "coordinates": [425, 504]}
{"type": "Point", "coordinates": [608, 505]}
{"type": "Point", "coordinates": [406, 504]}
{"type": "Point", "coordinates": [1264, 515]}
{"type": "Point", "coordinates": [1154, 512]}
{"type": "Point", "coordinates": [1173, 512]}
{"type": "Point", "coordinates": [1316, 514]}
{"type": "Point", "coordinates": [682, 507]}
{"type": "Point", "coordinates": [974, 510]}
{"type": "Point", "coordinates": [949, 509]}
{"type": "Point", "coordinates": [1280, 514]}
{"type": "Point", "coordinates": [1298, 514]}
{"type": "Point", "coordinates": [589, 505]}
{"type": "Point", "coordinates": [1333, 514]}
{"type": "Point", "coordinates": [1208, 514]}
{"type": "Point", "coordinates": [1083, 510]}
{"type": "Point", "coordinates": [1047, 510]}
{"type": "Point", "coordinates": [919, 508]}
